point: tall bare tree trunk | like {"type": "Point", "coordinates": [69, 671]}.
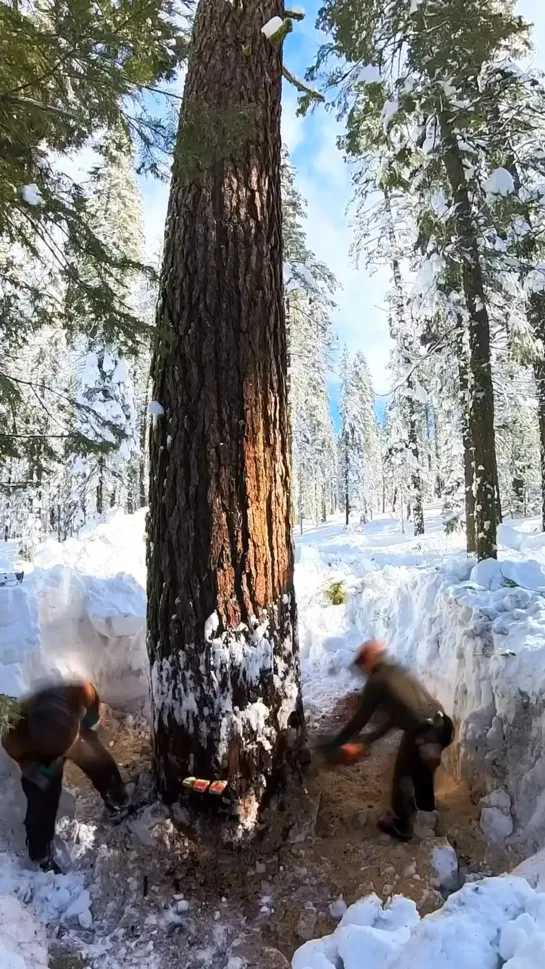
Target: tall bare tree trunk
{"type": "Point", "coordinates": [469, 460]}
{"type": "Point", "coordinates": [416, 475]}
{"type": "Point", "coordinates": [400, 332]}
{"type": "Point", "coordinates": [481, 393]}
{"type": "Point", "coordinates": [100, 484]}
{"type": "Point", "coordinates": [346, 478]}
{"type": "Point", "coordinates": [537, 318]}
{"type": "Point", "coordinates": [222, 618]}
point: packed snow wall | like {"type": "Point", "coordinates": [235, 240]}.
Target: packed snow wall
{"type": "Point", "coordinates": [81, 611]}
{"type": "Point", "coordinates": [476, 636]}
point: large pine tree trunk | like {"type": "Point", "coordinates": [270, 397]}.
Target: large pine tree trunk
{"type": "Point", "coordinates": [438, 446]}
{"type": "Point", "coordinates": [537, 318]}
{"type": "Point", "coordinates": [222, 619]}
{"type": "Point", "coordinates": [469, 461]}
{"type": "Point", "coordinates": [346, 479]}
{"type": "Point", "coordinates": [400, 333]}
{"type": "Point", "coordinates": [481, 394]}
{"type": "Point", "coordinates": [416, 475]}
{"type": "Point", "coordinates": [100, 485]}
{"type": "Point", "coordinates": [142, 461]}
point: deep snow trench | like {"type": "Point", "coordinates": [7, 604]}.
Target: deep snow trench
{"type": "Point", "coordinates": [476, 635]}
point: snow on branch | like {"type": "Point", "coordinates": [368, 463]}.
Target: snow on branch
{"type": "Point", "coordinates": [276, 29]}
{"type": "Point", "coordinates": [500, 183]}
{"type": "Point", "coordinates": [300, 86]}
{"type": "Point", "coordinates": [32, 194]}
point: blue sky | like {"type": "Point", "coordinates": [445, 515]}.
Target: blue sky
{"type": "Point", "coordinates": [324, 180]}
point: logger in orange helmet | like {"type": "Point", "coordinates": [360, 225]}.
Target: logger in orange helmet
{"type": "Point", "coordinates": [398, 701]}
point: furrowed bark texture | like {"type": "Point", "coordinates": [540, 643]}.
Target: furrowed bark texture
{"type": "Point", "coordinates": [481, 393]}
{"type": "Point", "coordinates": [537, 317]}
{"type": "Point", "coordinates": [402, 331]}
{"type": "Point", "coordinates": [222, 618]}
{"type": "Point", "coordinates": [469, 461]}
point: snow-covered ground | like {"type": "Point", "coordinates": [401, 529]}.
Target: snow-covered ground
{"type": "Point", "coordinates": [476, 634]}
{"type": "Point", "coordinates": [81, 610]}
{"type": "Point", "coordinates": [487, 924]}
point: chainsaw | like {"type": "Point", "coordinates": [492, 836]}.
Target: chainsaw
{"type": "Point", "coordinates": [344, 755]}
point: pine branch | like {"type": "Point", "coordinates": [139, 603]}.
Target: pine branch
{"type": "Point", "coordinates": [41, 106]}
{"type": "Point", "coordinates": [301, 86]}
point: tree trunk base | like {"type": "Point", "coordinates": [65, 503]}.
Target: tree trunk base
{"type": "Point", "coordinates": [229, 822]}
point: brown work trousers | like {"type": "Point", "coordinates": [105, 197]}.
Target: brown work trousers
{"type": "Point", "coordinates": [413, 787]}
{"type": "Point", "coordinates": [42, 805]}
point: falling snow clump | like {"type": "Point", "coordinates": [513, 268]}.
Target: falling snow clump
{"type": "Point", "coordinates": [32, 194]}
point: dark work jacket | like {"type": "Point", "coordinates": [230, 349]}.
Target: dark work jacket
{"type": "Point", "coordinates": [398, 701]}
{"type": "Point", "coordinates": [63, 709]}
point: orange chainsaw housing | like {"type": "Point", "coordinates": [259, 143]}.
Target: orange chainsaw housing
{"type": "Point", "coordinates": [350, 753]}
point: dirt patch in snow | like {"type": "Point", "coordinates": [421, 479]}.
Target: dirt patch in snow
{"type": "Point", "coordinates": [161, 900]}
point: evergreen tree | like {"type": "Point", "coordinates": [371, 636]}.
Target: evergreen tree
{"type": "Point", "coordinates": [109, 416]}
{"type": "Point", "coordinates": [76, 415]}
{"type": "Point", "coordinates": [430, 99]}
{"type": "Point", "coordinates": [359, 463]}
{"type": "Point", "coordinates": [221, 618]}
{"type": "Point", "coordinates": [106, 386]}
{"type": "Point", "coordinates": [69, 72]}
{"type": "Point", "coordinates": [308, 286]}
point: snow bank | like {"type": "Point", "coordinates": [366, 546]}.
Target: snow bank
{"type": "Point", "coordinates": [114, 545]}
{"type": "Point", "coordinates": [480, 646]}
{"type": "Point", "coordinates": [476, 636]}
{"type": "Point", "coordinates": [19, 637]}
{"type": "Point", "coordinates": [367, 937]}
{"type": "Point", "coordinates": [533, 870]}
{"type": "Point", "coordinates": [488, 923]}
{"type": "Point", "coordinates": [22, 938]}
{"type": "Point", "coordinates": [92, 627]}
{"type": "Point", "coordinates": [81, 612]}
{"type": "Point", "coordinates": [53, 898]}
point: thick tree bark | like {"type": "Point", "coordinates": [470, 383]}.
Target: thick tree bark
{"type": "Point", "coordinates": [100, 486]}
{"type": "Point", "coordinates": [537, 319]}
{"type": "Point", "coordinates": [539, 371]}
{"type": "Point", "coordinates": [469, 461]}
{"type": "Point", "coordinates": [439, 480]}
{"type": "Point", "coordinates": [416, 476]}
{"type": "Point", "coordinates": [481, 394]}
{"type": "Point", "coordinates": [400, 333]}
{"type": "Point", "coordinates": [222, 618]}
{"type": "Point", "coordinates": [346, 479]}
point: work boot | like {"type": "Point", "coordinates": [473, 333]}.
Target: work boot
{"type": "Point", "coordinates": [117, 812]}
{"type": "Point", "coordinates": [48, 863]}
{"type": "Point", "coordinates": [393, 827]}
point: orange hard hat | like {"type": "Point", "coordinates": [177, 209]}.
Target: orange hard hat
{"type": "Point", "coordinates": [370, 652]}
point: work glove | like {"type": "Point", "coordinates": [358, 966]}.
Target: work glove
{"type": "Point", "coordinates": [351, 753]}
